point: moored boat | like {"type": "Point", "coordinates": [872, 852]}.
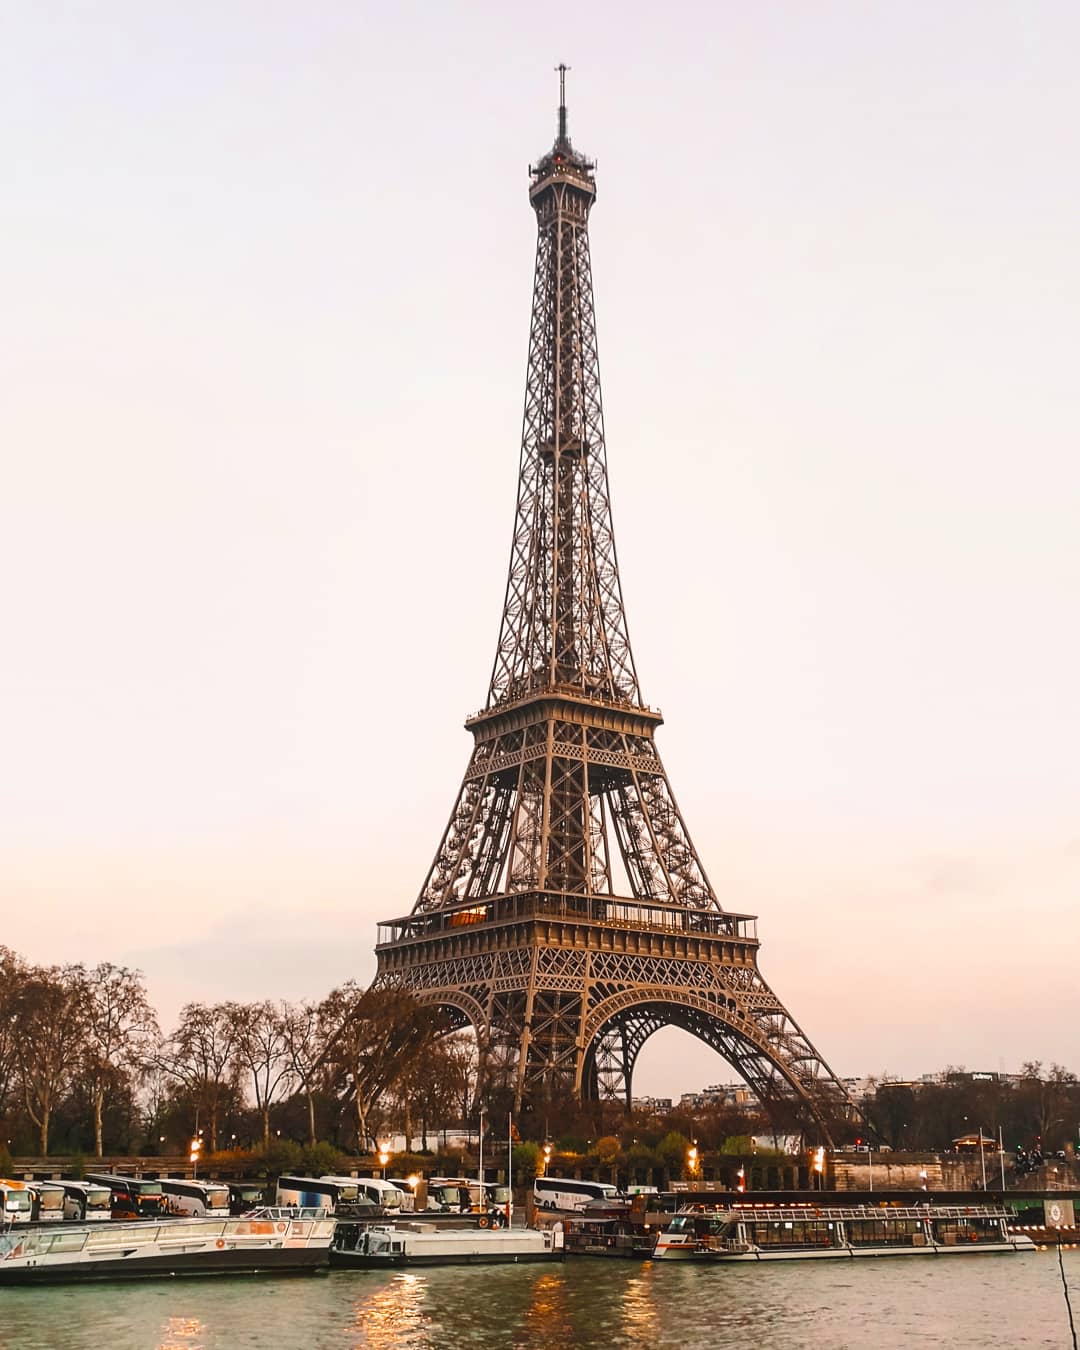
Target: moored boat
{"type": "Point", "coordinates": [163, 1247]}
{"type": "Point", "coordinates": [428, 1244]}
{"type": "Point", "coordinates": [802, 1233]}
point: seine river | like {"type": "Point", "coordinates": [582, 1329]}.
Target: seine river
{"type": "Point", "coordinates": [977, 1301]}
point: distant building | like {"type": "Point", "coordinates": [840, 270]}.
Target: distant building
{"type": "Point", "coordinates": [657, 1104]}
{"type": "Point", "coordinates": [719, 1094]}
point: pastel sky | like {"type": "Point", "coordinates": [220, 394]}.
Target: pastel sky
{"type": "Point", "coordinates": [265, 286]}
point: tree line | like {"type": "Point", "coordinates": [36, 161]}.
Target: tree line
{"type": "Point", "coordinates": [84, 1060]}
{"type": "Point", "coordinates": [85, 1066]}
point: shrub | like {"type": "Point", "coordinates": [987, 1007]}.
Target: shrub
{"type": "Point", "coordinates": [526, 1161]}
{"type": "Point", "coordinates": [323, 1159]}
{"type": "Point", "coordinates": [671, 1150]}
{"type": "Point", "coordinates": [608, 1149]}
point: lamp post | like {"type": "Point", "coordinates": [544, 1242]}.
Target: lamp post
{"type": "Point", "coordinates": [480, 1162]}
{"type": "Point", "coordinates": [196, 1148]}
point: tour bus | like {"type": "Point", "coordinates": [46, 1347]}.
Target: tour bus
{"type": "Point", "coordinates": [245, 1195]}
{"type": "Point", "coordinates": [48, 1201]}
{"type": "Point", "coordinates": [16, 1201]}
{"type": "Point", "coordinates": [562, 1193]}
{"type": "Point", "coordinates": [87, 1201]}
{"type": "Point", "coordinates": [444, 1196]}
{"type": "Point", "coordinates": [335, 1195]}
{"type": "Point", "coordinates": [132, 1197]}
{"type": "Point", "coordinates": [487, 1199]}
{"type": "Point", "coordinates": [408, 1194]}
{"type": "Point", "coordinates": [196, 1198]}
{"type": "Point", "coordinates": [383, 1194]}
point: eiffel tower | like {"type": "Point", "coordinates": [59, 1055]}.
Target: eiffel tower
{"type": "Point", "coordinates": [567, 915]}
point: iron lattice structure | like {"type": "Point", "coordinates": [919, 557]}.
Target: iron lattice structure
{"type": "Point", "coordinates": [567, 915]}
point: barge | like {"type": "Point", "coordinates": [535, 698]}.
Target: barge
{"type": "Point", "coordinates": [804, 1233]}
{"type": "Point", "coordinates": [425, 1244]}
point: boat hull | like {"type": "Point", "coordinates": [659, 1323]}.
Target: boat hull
{"type": "Point", "coordinates": [279, 1261]}
{"type": "Point", "coordinates": [346, 1260]}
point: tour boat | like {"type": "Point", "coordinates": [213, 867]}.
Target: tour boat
{"type": "Point", "coordinates": [255, 1244]}
{"type": "Point", "coordinates": [428, 1244]}
{"type": "Point", "coordinates": [810, 1232]}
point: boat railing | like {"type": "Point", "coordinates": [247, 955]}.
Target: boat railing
{"type": "Point", "coordinates": [810, 1213]}
{"type": "Point", "coordinates": [112, 1237]}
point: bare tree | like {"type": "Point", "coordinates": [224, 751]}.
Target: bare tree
{"type": "Point", "coordinates": [201, 1055]}
{"type": "Point", "coordinates": [263, 1050]}
{"type": "Point", "coordinates": [12, 973]}
{"type": "Point", "coordinates": [302, 1029]}
{"type": "Point", "coordinates": [121, 1028]}
{"type": "Point", "coordinates": [372, 1037]}
{"type": "Point", "coordinates": [49, 1029]}
{"type": "Point", "coordinates": [429, 1089]}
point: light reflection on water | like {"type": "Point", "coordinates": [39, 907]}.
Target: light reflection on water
{"type": "Point", "coordinates": [182, 1333]}
{"type": "Point", "coordinates": [963, 1303]}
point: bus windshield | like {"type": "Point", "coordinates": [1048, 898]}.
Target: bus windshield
{"type": "Point", "coordinates": [145, 1187]}
{"type": "Point", "coordinates": [17, 1201]}
{"type": "Point", "coordinates": [50, 1198]}
{"type": "Point", "coordinates": [98, 1197]}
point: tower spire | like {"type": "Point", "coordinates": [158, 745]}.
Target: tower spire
{"type": "Point", "coordinates": [562, 68]}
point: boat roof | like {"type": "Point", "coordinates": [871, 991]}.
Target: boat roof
{"type": "Point", "coordinates": [811, 1213]}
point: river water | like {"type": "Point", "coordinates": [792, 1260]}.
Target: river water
{"type": "Point", "coordinates": [586, 1304]}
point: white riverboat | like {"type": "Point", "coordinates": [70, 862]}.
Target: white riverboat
{"type": "Point", "coordinates": [428, 1244]}
{"type": "Point", "coordinates": [34, 1254]}
{"type": "Point", "coordinates": [812, 1233]}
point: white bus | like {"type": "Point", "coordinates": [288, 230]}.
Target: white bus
{"type": "Point", "coordinates": [486, 1199]}
{"type": "Point", "coordinates": [48, 1201]}
{"type": "Point", "coordinates": [16, 1201]}
{"type": "Point", "coordinates": [384, 1194]}
{"type": "Point", "coordinates": [408, 1195]}
{"type": "Point", "coordinates": [196, 1198]}
{"type": "Point", "coordinates": [562, 1193]}
{"type": "Point", "coordinates": [87, 1201]}
{"type": "Point", "coordinates": [317, 1192]}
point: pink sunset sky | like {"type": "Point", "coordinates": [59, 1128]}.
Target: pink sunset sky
{"type": "Point", "coordinates": [266, 281]}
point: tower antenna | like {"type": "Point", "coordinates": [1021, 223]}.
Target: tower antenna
{"type": "Point", "coordinates": [562, 69]}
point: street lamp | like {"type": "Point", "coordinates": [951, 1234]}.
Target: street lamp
{"type": "Point", "coordinates": [547, 1159]}
{"type": "Point", "coordinates": [692, 1161]}
{"type": "Point", "coordinates": [196, 1148]}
